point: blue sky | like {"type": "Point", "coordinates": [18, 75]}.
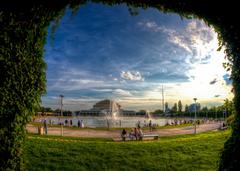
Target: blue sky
{"type": "Point", "coordinates": [104, 52]}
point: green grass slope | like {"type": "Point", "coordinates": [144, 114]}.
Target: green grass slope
{"type": "Point", "coordinates": [184, 152]}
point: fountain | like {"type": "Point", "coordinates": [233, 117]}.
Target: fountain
{"type": "Point", "coordinates": [111, 113]}
{"type": "Point", "coordinates": [148, 115]}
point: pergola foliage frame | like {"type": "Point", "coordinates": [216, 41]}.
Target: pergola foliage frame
{"type": "Point", "coordinates": [22, 67]}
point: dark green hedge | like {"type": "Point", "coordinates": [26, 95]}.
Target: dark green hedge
{"type": "Point", "coordinates": [23, 34]}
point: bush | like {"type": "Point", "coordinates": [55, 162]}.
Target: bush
{"type": "Point", "coordinates": [230, 120]}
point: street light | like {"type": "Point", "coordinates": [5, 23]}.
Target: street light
{"type": "Point", "coordinates": [195, 126]}
{"type": "Point", "coordinates": [61, 96]}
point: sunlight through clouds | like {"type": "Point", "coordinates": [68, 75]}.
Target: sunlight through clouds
{"type": "Point", "coordinates": [103, 52]}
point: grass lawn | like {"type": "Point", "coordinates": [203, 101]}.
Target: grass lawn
{"type": "Point", "coordinates": [183, 152]}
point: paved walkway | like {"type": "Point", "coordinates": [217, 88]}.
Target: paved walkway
{"type": "Point", "coordinates": [115, 134]}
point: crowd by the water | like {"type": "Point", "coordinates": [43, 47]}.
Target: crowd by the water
{"type": "Point", "coordinates": [135, 133]}
{"type": "Point", "coordinates": [66, 122]}
{"type": "Point", "coordinates": [82, 122]}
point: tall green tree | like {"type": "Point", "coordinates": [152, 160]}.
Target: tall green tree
{"type": "Point", "coordinates": [228, 105]}
{"type": "Point", "coordinates": [166, 106]}
{"type": "Point", "coordinates": [45, 109]}
{"type": "Point", "coordinates": [186, 108]}
{"type": "Point", "coordinates": [158, 111]}
{"type": "Point", "coordinates": [174, 108]}
{"type": "Point", "coordinates": [179, 106]}
{"type": "Point", "coordinates": [198, 107]}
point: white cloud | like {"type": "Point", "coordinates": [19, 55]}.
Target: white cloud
{"type": "Point", "coordinates": [72, 78]}
{"type": "Point", "coordinates": [193, 46]}
{"type": "Point", "coordinates": [155, 27]}
{"type": "Point", "coordinates": [197, 38]}
{"type": "Point", "coordinates": [132, 75]}
{"type": "Point", "coordinates": [70, 103]}
{"type": "Point", "coordinates": [151, 25]}
{"type": "Point", "coordinates": [102, 90]}
{"type": "Point", "coordinates": [179, 40]}
{"type": "Point", "coordinates": [85, 81]}
{"type": "Point", "coordinates": [77, 84]}
{"type": "Point", "coordinates": [122, 92]}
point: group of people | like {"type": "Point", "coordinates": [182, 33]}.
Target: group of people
{"type": "Point", "coordinates": [135, 133]}
{"type": "Point", "coordinates": [68, 122]}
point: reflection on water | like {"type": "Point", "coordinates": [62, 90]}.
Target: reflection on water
{"type": "Point", "coordinates": [95, 122]}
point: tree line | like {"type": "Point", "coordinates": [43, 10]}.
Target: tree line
{"type": "Point", "coordinates": [224, 110]}
{"type": "Point", "coordinates": [177, 110]}
{"type": "Point", "coordinates": [45, 110]}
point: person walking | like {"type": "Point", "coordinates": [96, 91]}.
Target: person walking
{"type": "Point", "coordinates": [124, 134]}
{"type": "Point", "coordinates": [140, 134]}
{"type": "Point", "coordinates": [150, 125]}
{"type": "Point", "coordinates": [136, 133]}
{"type": "Point", "coordinates": [82, 124]}
{"type": "Point", "coordinates": [138, 124]}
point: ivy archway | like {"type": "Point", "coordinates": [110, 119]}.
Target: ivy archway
{"type": "Point", "coordinates": [23, 35]}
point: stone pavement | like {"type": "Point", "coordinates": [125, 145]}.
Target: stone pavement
{"type": "Point", "coordinates": [115, 134]}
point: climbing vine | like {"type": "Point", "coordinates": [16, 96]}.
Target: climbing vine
{"type": "Point", "coordinates": [22, 82]}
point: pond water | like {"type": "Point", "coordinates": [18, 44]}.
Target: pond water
{"type": "Point", "coordinates": [96, 122]}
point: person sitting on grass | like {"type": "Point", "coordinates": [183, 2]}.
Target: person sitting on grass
{"type": "Point", "coordinates": [131, 134]}
{"type": "Point", "coordinates": [124, 134]}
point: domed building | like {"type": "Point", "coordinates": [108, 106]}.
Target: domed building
{"type": "Point", "coordinates": [107, 105]}
{"type": "Point", "coordinates": [102, 108]}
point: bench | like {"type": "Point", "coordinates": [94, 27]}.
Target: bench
{"type": "Point", "coordinates": [155, 136]}
{"type": "Point", "coordinates": [145, 136]}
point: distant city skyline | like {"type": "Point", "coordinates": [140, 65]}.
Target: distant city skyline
{"type": "Point", "coordinates": [103, 52]}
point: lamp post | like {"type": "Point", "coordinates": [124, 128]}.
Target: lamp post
{"type": "Point", "coordinates": [61, 96]}
{"type": "Point", "coordinates": [61, 114]}
{"type": "Point", "coordinates": [195, 119]}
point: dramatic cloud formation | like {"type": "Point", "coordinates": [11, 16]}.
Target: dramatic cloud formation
{"type": "Point", "coordinates": [103, 52]}
{"type": "Point", "coordinates": [195, 39]}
